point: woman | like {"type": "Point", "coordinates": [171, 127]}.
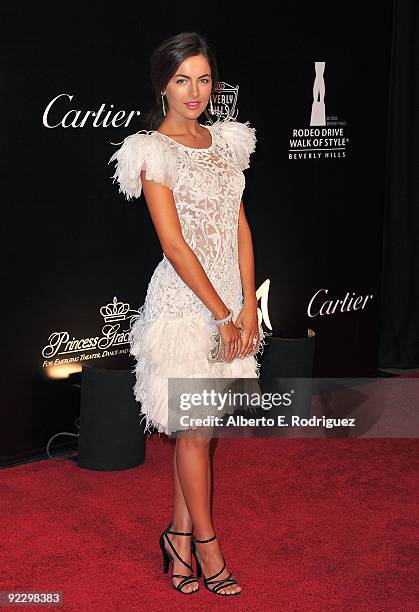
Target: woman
{"type": "Point", "coordinates": [192, 179]}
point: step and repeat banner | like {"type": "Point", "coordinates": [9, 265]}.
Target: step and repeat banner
{"type": "Point", "coordinates": [77, 256]}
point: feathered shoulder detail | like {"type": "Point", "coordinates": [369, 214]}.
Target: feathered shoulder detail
{"type": "Point", "coordinates": [144, 150]}
{"type": "Point", "coordinates": [240, 136]}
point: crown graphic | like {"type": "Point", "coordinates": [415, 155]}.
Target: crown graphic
{"type": "Point", "coordinates": [115, 311]}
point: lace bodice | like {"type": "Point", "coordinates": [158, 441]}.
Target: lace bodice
{"type": "Point", "coordinates": [207, 185]}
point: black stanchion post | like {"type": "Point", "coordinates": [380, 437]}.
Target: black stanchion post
{"type": "Point", "coordinates": [288, 365]}
{"type": "Point", "coordinates": [111, 436]}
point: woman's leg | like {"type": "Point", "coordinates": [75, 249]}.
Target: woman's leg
{"type": "Point", "coordinates": [181, 522]}
{"type": "Point", "coordinates": [194, 475]}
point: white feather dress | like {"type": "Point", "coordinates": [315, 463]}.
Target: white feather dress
{"type": "Point", "coordinates": [171, 335]}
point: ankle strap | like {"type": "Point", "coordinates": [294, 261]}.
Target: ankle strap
{"type": "Point", "coordinates": [209, 539]}
{"type": "Point", "coordinates": [167, 530]}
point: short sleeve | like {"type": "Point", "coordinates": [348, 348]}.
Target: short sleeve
{"type": "Point", "coordinates": [240, 136]}
{"type": "Point", "coordinates": [143, 151]}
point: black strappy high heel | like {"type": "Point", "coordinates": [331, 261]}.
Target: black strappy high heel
{"type": "Point", "coordinates": [167, 558]}
{"type": "Point", "coordinates": [220, 584]}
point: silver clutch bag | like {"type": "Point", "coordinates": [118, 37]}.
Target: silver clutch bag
{"type": "Point", "coordinates": [217, 352]}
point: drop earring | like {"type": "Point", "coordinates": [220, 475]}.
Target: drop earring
{"type": "Point", "coordinates": [211, 107]}
{"type": "Point", "coordinates": [162, 102]}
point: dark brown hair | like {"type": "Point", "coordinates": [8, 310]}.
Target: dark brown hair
{"type": "Point", "coordinates": [166, 59]}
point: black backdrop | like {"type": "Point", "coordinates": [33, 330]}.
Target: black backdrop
{"type": "Point", "coordinates": [71, 243]}
{"type": "Point", "coordinates": [399, 313]}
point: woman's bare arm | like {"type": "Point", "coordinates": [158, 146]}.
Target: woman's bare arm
{"type": "Point", "coordinates": [248, 318]}
{"type": "Point", "coordinates": [162, 208]}
{"type": "Point", "coordinates": [246, 258]}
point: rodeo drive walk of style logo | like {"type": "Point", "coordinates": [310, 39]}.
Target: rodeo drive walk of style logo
{"type": "Point", "coordinates": [323, 139]}
{"type": "Point", "coordinates": [63, 348]}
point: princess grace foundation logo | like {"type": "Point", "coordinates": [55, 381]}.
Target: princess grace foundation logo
{"type": "Point", "coordinates": [325, 137]}
{"type": "Point", "coordinates": [63, 348]}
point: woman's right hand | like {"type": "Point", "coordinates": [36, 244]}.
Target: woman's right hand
{"type": "Point", "coordinates": [232, 339]}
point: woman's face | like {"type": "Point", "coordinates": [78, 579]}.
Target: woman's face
{"type": "Point", "coordinates": [191, 83]}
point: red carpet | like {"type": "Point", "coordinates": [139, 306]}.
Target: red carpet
{"type": "Point", "coordinates": [305, 525]}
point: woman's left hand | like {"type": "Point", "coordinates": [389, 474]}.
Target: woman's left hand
{"type": "Point", "coordinates": [247, 321]}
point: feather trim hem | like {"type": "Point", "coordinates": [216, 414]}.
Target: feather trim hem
{"type": "Point", "coordinates": [177, 348]}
